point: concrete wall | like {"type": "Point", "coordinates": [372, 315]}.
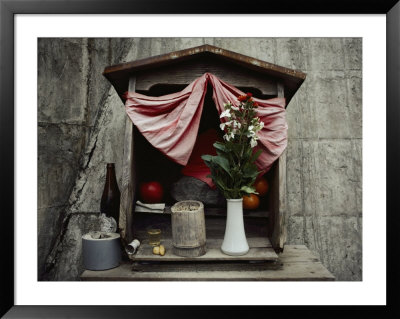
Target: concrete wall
{"type": "Point", "coordinates": [81, 124]}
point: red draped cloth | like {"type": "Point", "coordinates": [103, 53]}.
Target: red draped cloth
{"type": "Point", "coordinates": [171, 122]}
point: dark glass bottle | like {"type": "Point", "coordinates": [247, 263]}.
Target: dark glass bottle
{"type": "Point", "coordinates": [111, 195]}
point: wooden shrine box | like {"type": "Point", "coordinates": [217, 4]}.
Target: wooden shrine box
{"type": "Point", "coordinates": [168, 73]}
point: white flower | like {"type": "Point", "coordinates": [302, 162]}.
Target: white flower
{"type": "Point", "coordinates": [251, 127]}
{"type": "Point", "coordinates": [236, 124]}
{"type": "Point", "coordinates": [236, 108]}
{"type": "Point", "coordinates": [250, 133]}
{"type": "Point", "coordinates": [228, 136]}
{"type": "Point", "coordinates": [261, 125]}
{"type": "Point", "coordinates": [225, 113]}
{"type": "Point", "coordinates": [222, 125]}
{"type": "Point", "coordinates": [253, 142]}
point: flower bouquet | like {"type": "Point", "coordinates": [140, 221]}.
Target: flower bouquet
{"type": "Point", "coordinates": [233, 169]}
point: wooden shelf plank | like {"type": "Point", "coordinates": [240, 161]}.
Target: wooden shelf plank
{"type": "Point", "coordinates": [296, 263]}
{"type": "Point", "coordinates": [290, 272]}
{"type": "Point", "coordinates": [260, 249]}
{"type": "Point", "coordinates": [205, 266]}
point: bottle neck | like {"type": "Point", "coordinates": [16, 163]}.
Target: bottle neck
{"type": "Point", "coordinates": [110, 175]}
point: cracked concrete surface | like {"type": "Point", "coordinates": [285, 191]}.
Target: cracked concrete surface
{"type": "Point", "coordinates": [81, 125]}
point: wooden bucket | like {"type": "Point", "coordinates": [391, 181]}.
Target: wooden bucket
{"type": "Point", "coordinates": [188, 229]}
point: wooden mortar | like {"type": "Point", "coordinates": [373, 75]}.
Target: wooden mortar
{"type": "Point", "coordinates": [188, 228]}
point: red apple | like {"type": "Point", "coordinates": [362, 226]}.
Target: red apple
{"type": "Point", "coordinates": [151, 192]}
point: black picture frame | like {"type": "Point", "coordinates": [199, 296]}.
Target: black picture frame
{"type": "Point", "coordinates": [8, 10]}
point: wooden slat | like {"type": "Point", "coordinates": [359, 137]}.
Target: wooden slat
{"type": "Point", "coordinates": [297, 253]}
{"type": "Point", "coordinates": [260, 249]}
{"type": "Point", "coordinates": [290, 272]}
{"type": "Point", "coordinates": [280, 89]}
{"type": "Point", "coordinates": [128, 184]}
{"type": "Point", "coordinates": [290, 267]}
{"type": "Point", "coordinates": [205, 266]}
{"type": "Point", "coordinates": [157, 61]}
{"type": "Point", "coordinates": [278, 219]}
{"type": "Point", "coordinates": [186, 72]}
{"type": "Point", "coordinates": [254, 242]}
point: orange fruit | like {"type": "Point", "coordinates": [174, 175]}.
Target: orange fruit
{"type": "Point", "coordinates": [261, 186]}
{"type": "Point", "coordinates": [251, 201]}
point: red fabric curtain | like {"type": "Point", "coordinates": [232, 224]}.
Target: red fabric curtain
{"type": "Point", "coordinates": [170, 122]}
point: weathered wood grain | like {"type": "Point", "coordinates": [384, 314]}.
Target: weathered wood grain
{"type": "Point", "coordinates": [205, 266]}
{"type": "Point", "coordinates": [212, 254]}
{"type": "Point", "coordinates": [278, 220]}
{"type": "Point", "coordinates": [280, 89]}
{"type": "Point", "coordinates": [260, 249]}
{"type": "Point", "coordinates": [185, 73]}
{"type": "Point", "coordinates": [295, 254]}
{"type": "Point", "coordinates": [188, 229]}
{"type": "Point", "coordinates": [292, 269]}
{"type": "Point", "coordinates": [128, 181]}
{"type": "Point", "coordinates": [182, 55]}
{"type": "Point", "coordinates": [254, 242]}
{"type": "Point", "coordinates": [290, 272]}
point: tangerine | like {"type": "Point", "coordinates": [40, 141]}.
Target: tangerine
{"type": "Point", "coordinates": [261, 186]}
{"type": "Point", "coordinates": [251, 201]}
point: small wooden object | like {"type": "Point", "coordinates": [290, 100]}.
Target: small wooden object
{"type": "Point", "coordinates": [188, 229]}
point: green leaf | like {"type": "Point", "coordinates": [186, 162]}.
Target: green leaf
{"type": "Point", "coordinates": [220, 146]}
{"type": "Point", "coordinates": [220, 184]}
{"type": "Point", "coordinates": [207, 158]}
{"type": "Point", "coordinates": [248, 189]}
{"type": "Point", "coordinates": [222, 154]}
{"type": "Point", "coordinates": [250, 173]}
{"type": "Point", "coordinates": [222, 162]}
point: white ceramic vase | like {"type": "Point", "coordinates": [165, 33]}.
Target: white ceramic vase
{"type": "Point", "coordinates": [235, 242]}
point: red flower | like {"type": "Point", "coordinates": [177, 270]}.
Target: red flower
{"type": "Point", "coordinates": [242, 98]}
{"type": "Point", "coordinates": [255, 104]}
{"type": "Point", "coordinates": [249, 94]}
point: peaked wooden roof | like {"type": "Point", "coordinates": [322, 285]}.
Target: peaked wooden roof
{"type": "Point", "coordinates": [119, 74]}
